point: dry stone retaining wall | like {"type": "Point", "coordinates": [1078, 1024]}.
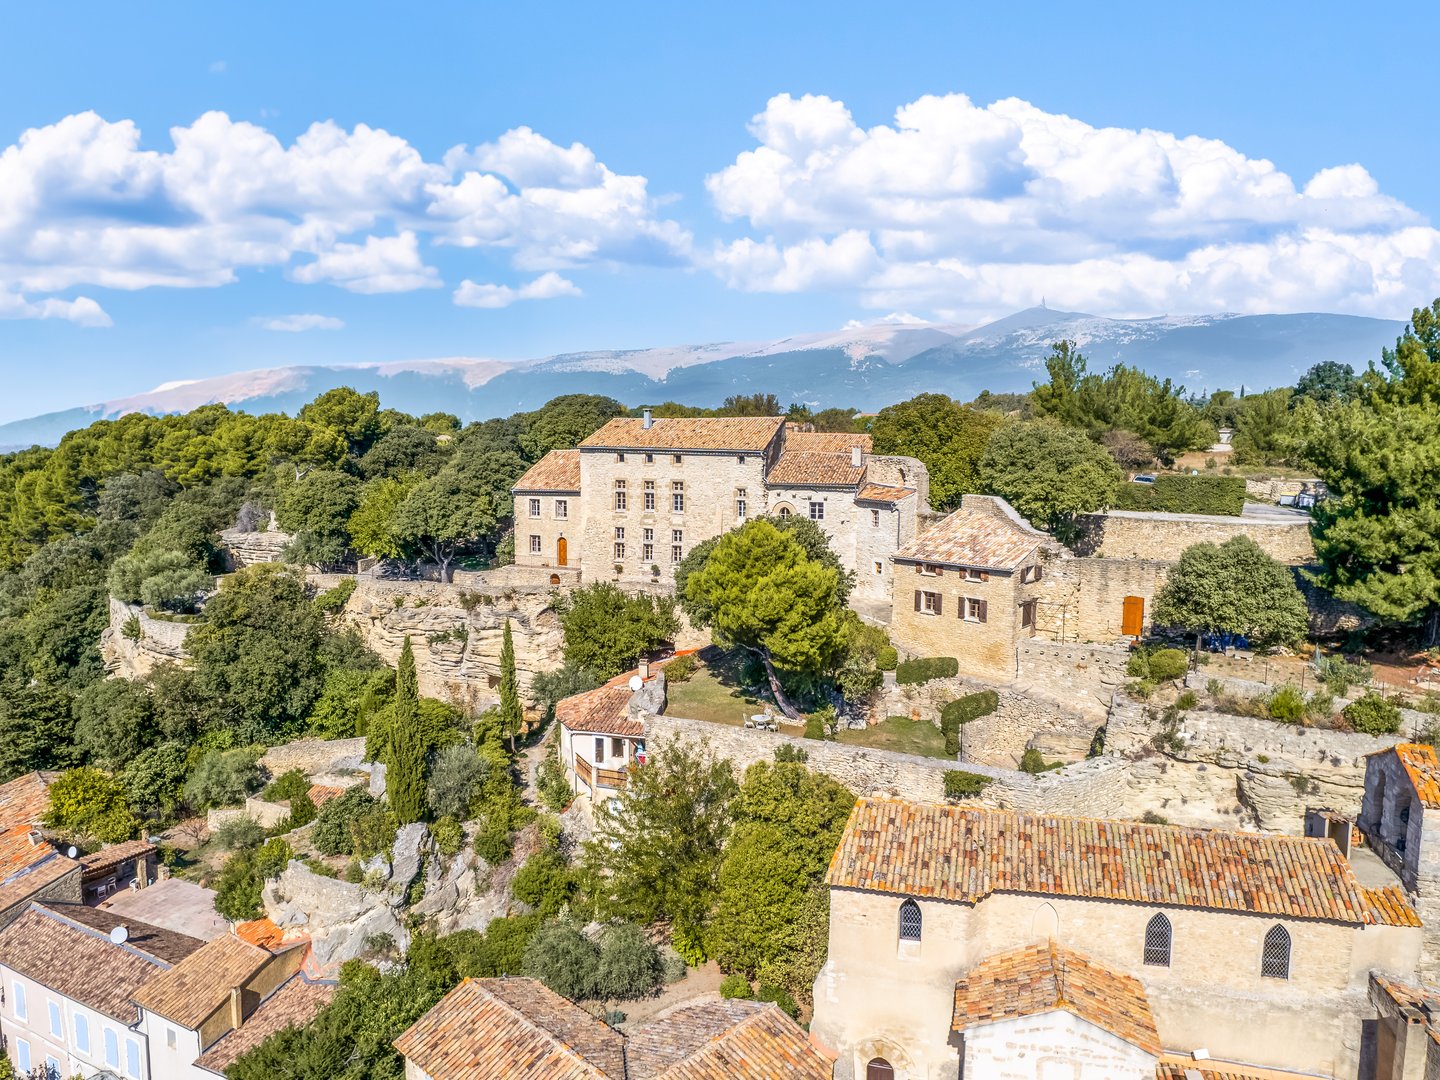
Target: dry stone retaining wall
{"type": "Point", "coordinates": [1138, 534]}
{"type": "Point", "coordinates": [160, 641]}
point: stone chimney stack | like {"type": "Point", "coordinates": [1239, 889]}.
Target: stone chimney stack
{"type": "Point", "coordinates": [649, 420]}
{"type": "Point", "coordinates": [644, 669]}
{"type": "Point", "coordinates": [857, 457]}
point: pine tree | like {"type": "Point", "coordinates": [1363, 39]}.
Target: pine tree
{"type": "Point", "coordinates": [512, 715]}
{"type": "Point", "coordinates": [405, 774]}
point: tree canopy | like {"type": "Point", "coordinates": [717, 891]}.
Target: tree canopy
{"type": "Point", "coordinates": [1048, 473]}
{"type": "Point", "coordinates": [1233, 588]}
{"type": "Point", "coordinates": [948, 437]}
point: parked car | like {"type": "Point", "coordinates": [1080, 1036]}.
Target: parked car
{"type": "Point", "coordinates": [1143, 478]}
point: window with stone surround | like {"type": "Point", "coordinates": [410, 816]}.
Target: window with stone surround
{"type": "Point", "coordinates": [534, 507]}
{"type": "Point", "coordinates": [817, 511]}
{"type": "Point", "coordinates": [562, 508]}
{"type": "Point", "coordinates": [647, 552]}
{"type": "Point", "coordinates": [649, 459]}
{"type": "Point", "coordinates": [1157, 942]}
{"type": "Point", "coordinates": [619, 532]}
{"type": "Point", "coordinates": [619, 552]}
{"type": "Point", "coordinates": [973, 610]}
{"type": "Point", "coordinates": [927, 602]}
{"type": "Point", "coordinates": [675, 458]}
{"type": "Point", "coordinates": [740, 504]}
{"type": "Point", "coordinates": [875, 517]}
{"type": "Point", "coordinates": [620, 495]}
{"type": "Point", "coordinates": [879, 568]}
{"type": "Point", "coordinates": [911, 921]}
{"type": "Point", "coordinates": [971, 574]}
{"type": "Point", "coordinates": [647, 535]}
{"type": "Point", "coordinates": [649, 494]}
{"type": "Point", "coordinates": [534, 544]}
{"type": "Point", "coordinates": [1275, 956]}
{"type": "Point", "coordinates": [620, 458]}
{"type": "Point", "coordinates": [677, 497]}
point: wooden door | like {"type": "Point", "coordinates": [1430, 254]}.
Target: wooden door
{"type": "Point", "coordinates": [1132, 620]}
{"type": "Point", "coordinates": [562, 553]}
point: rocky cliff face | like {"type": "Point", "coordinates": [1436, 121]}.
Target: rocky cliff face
{"type": "Point", "coordinates": [135, 643]}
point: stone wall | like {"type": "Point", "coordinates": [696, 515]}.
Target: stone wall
{"type": "Point", "coordinates": [160, 641]}
{"type": "Point", "coordinates": [1084, 677]}
{"type": "Point", "coordinates": [1270, 490]}
{"type": "Point", "coordinates": [314, 756]}
{"type": "Point", "coordinates": [248, 548]}
{"type": "Point", "coordinates": [1083, 599]}
{"type": "Point", "coordinates": [1135, 534]}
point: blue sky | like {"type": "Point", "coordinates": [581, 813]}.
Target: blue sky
{"type": "Point", "coordinates": [646, 174]}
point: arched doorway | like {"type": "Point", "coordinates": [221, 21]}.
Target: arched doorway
{"type": "Point", "coordinates": [562, 552]}
{"type": "Point", "coordinates": [554, 579]}
{"type": "Point", "coordinates": [879, 1069]}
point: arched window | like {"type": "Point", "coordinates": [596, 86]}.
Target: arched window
{"type": "Point", "coordinates": [910, 921]}
{"type": "Point", "coordinates": [1275, 960]}
{"type": "Point", "coordinates": [879, 1069]}
{"type": "Point", "coordinates": [1157, 941]}
{"type": "Point", "coordinates": [784, 511]}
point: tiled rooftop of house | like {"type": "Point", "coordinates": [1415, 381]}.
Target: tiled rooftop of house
{"type": "Point", "coordinates": [559, 470]}
{"type": "Point", "coordinates": [883, 493]}
{"type": "Point", "coordinates": [828, 442]}
{"type": "Point", "coordinates": [966, 853]}
{"type": "Point", "coordinates": [986, 539]}
{"type": "Point", "coordinates": [724, 1040]}
{"type": "Point", "coordinates": [1042, 978]}
{"type": "Point", "coordinates": [99, 863]}
{"type": "Point", "coordinates": [814, 468]}
{"type": "Point", "coordinates": [67, 948]}
{"type": "Point", "coordinates": [24, 802]}
{"type": "Point", "coordinates": [750, 434]}
{"type": "Point", "coordinates": [606, 709]}
{"type": "Point", "coordinates": [1423, 767]}
{"type": "Point", "coordinates": [201, 983]}
{"type": "Point", "coordinates": [1178, 1068]}
{"type": "Point", "coordinates": [488, 1028]}
{"type": "Point", "coordinates": [1391, 907]}
{"type": "Point", "coordinates": [294, 1004]}
{"type": "Point", "coordinates": [320, 794]}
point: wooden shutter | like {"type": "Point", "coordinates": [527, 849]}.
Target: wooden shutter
{"type": "Point", "coordinates": [1132, 619]}
{"type": "Point", "coordinates": [1036, 572]}
{"type": "Point", "coordinates": [939, 570]}
{"type": "Point", "coordinates": [984, 611]}
{"type": "Point", "coordinates": [939, 604]}
{"type": "Point", "coordinates": [919, 568]}
{"type": "Point", "coordinates": [917, 599]}
{"type": "Point", "coordinates": [984, 576]}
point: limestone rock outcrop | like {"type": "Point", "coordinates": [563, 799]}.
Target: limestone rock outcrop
{"type": "Point", "coordinates": [338, 917]}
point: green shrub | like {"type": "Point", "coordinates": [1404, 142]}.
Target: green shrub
{"type": "Point", "coordinates": [962, 711]}
{"type": "Point", "coordinates": [736, 985]}
{"type": "Point", "coordinates": [690, 947]}
{"type": "Point", "coordinates": [779, 997]}
{"type": "Point", "coordinates": [545, 882]}
{"type": "Point", "coordinates": [553, 787]}
{"type": "Point", "coordinates": [449, 837]}
{"type": "Point", "coordinates": [564, 959]}
{"type": "Point", "coordinates": [1372, 715]}
{"type": "Point", "coordinates": [1340, 674]}
{"type": "Point", "coordinates": [630, 965]}
{"type": "Point", "coordinates": [1187, 700]}
{"type": "Point", "coordinates": [1286, 703]}
{"type": "Point", "coordinates": [922, 670]}
{"type": "Point", "coordinates": [960, 784]}
{"type": "Point", "coordinates": [1150, 817]}
{"type": "Point", "coordinates": [1321, 706]}
{"type": "Point", "coordinates": [239, 834]}
{"type": "Point", "coordinates": [334, 831]}
{"type": "Point", "coordinates": [672, 966]}
{"type": "Point", "coordinates": [1033, 762]}
{"type": "Point", "coordinates": [222, 778]}
{"type": "Point", "coordinates": [1168, 664]}
{"type": "Point", "coordinates": [886, 658]}
{"type": "Point", "coordinates": [1175, 493]}
{"type": "Point", "coordinates": [237, 889]}
{"type": "Point", "coordinates": [681, 668]}
{"type": "Point", "coordinates": [332, 600]}
{"type": "Point", "coordinates": [790, 752]}
{"type": "Point", "coordinates": [286, 786]}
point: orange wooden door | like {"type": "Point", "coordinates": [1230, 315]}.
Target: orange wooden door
{"type": "Point", "coordinates": [561, 553]}
{"type": "Point", "coordinates": [1132, 620]}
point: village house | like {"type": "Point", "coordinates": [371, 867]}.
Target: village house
{"type": "Point", "coordinates": [31, 867]}
{"type": "Point", "coordinates": [602, 731]}
{"type": "Point", "coordinates": [128, 865]}
{"type": "Point", "coordinates": [1250, 947]}
{"type": "Point", "coordinates": [1400, 819]}
{"type": "Point", "coordinates": [516, 1026]}
{"type": "Point", "coordinates": [637, 495]}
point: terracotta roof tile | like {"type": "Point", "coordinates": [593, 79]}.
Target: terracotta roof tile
{"type": "Point", "coordinates": [830, 442]}
{"type": "Point", "coordinates": [320, 794]}
{"type": "Point", "coordinates": [1423, 767]}
{"type": "Point", "coordinates": [67, 948]}
{"type": "Point", "coordinates": [1391, 907]}
{"type": "Point", "coordinates": [725, 1040]}
{"type": "Point", "coordinates": [1042, 978]}
{"type": "Point", "coordinates": [735, 433]}
{"type": "Point", "coordinates": [24, 802]}
{"type": "Point", "coordinates": [605, 711]}
{"type": "Point", "coordinates": [26, 882]}
{"type": "Point", "coordinates": [515, 1028]}
{"type": "Point", "coordinates": [966, 853]}
{"type": "Point", "coordinates": [883, 493]}
{"type": "Point", "coordinates": [1189, 1068]}
{"type": "Point", "coordinates": [559, 470]}
{"type": "Point", "coordinates": [970, 537]}
{"type": "Point", "coordinates": [201, 983]}
{"type": "Point", "coordinates": [294, 1004]}
{"type": "Point", "coordinates": [813, 468]}
{"type": "Point", "coordinates": [106, 859]}
{"type": "Point", "coordinates": [262, 932]}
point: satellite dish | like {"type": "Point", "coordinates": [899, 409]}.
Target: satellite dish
{"type": "Point", "coordinates": [119, 935]}
{"type": "Point", "coordinates": [72, 851]}
{"type": "Point", "coordinates": [636, 682]}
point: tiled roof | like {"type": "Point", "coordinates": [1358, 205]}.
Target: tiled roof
{"type": "Point", "coordinates": [724, 1040]}
{"type": "Point", "coordinates": [1042, 978]}
{"type": "Point", "coordinates": [515, 1028]}
{"type": "Point", "coordinates": [966, 853]}
{"type": "Point", "coordinates": [1190, 1069]}
{"type": "Point", "coordinates": [1423, 767]}
{"type": "Point", "coordinates": [883, 493]}
{"type": "Point", "coordinates": [1391, 907]}
{"type": "Point", "coordinates": [293, 1005]}
{"type": "Point", "coordinates": [738, 433]}
{"type": "Point", "coordinates": [24, 802]}
{"type": "Point", "coordinates": [26, 882]}
{"type": "Point", "coordinates": [201, 983]}
{"type": "Point", "coordinates": [320, 794]}
{"type": "Point", "coordinates": [262, 932]}
{"type": "Point", "coordinates": [67, 948]}
{"type": "Point", "coordinates": [830, 442]}
{"type": "Point", "coordinates": [979, 538]}
{"type": "Point", "coordinates": [559, 470]}
{"type": "Point", "coordinates": [813, 468]}
{"type": "Point", "coordinates": [106, 859]}
{"type": "Point", "coordinates": [604, 710]}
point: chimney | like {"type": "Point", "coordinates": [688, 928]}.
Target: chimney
{"type": "Point", "coordinates": [649, 420]}
{"type": "Point", "coordinates": [856, 457]}
{"type": "Point", "coordinates": [237, 1006]}
{"type": "Point", "coordinates": [34, 837]}
{"type": "Point", "coordinates": [645, 669]}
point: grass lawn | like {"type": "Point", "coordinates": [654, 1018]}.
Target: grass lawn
{"type": "Point", "coordinates": [901, 734]}
{"type": "Point", "coordinates": [715, 693]}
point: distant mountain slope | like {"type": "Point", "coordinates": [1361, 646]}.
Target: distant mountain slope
{"type": "Point", "coordinates": [866, 366]}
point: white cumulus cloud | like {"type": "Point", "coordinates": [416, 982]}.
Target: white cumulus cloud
{"type": "Point", "coordinates": [965, 209]}
{"type": "Point", "coordinates": [545, 287]}
{"type": "Point", "coordinates": [82, 310]}
{"type": "Point", "coordinates": [87, 201]}
{"type": "Point", "coordinates": [294, 324]}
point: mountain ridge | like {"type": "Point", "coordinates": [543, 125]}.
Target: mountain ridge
{"type": "Point", "coordinates": [861, 365]}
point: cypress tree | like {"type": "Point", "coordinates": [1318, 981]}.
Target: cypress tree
{"type": "Point", "coordinates": [405, 775]}
{"type": "Point", "coordinates": [512, 715]}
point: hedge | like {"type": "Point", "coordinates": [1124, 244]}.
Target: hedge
{"type": "Point", "coordinates": [1372, 715]}
{"type": "Point", "coordinates": [1178, 493]}
{"type": "Point", "coordinates": [910, 672]}
{"type": "Point", "coordinates": [962, 711]}
{"type": "Point", "coordinates": [959, 784]}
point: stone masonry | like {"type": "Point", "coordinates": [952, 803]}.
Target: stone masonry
{"type": "Point", "coordinates": [1135, 534]}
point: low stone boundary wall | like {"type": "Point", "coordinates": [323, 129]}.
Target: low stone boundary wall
{"type": "Point", "coordinates": [314, 756]}
{"type": "Point", "coordinates": [1083, 676]}
{"type": "Point", "coordinates": [1412, 721]}
{"type": "Point", "coordinates": [1138, 534]}
{"type": "Point", "coordinates": [160, 641]}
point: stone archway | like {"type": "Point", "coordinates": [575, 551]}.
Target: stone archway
{"type": "Point", "coordinates": [880, 1049]}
